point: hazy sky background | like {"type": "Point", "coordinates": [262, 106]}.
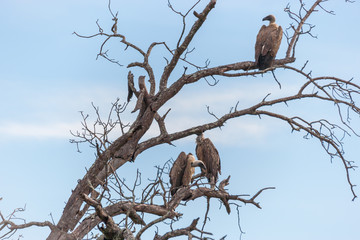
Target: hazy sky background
{"type": "Point", "coordinates": [48, 75]}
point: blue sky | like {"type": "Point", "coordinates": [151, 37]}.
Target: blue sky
{"type": "Point", "coordinates": [48, 75]}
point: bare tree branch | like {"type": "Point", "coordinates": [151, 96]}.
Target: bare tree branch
{"type": "Point", "coordinates": [102, 189]}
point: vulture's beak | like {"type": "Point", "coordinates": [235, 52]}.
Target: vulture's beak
{"type": "Point", "coordinates": [198, 163]}
{"type": "Point", "coordinates": [266, 18]}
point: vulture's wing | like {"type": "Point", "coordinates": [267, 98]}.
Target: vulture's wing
{"type": "Point", "coordinates": [177, 172]}
{"type": "Point", "coordinates": [259, 42]}
{"type": "Point", "coordinates": [199, 151]}
{"type": "Point", "coordinates": [277, 40]}
{"type": "Point", "coordinates": [211, 159]}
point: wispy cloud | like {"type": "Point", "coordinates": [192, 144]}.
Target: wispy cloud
{"type": "Point", "coordinates": [188, 110]}
{"type": "Point", "coordinates": [34, 130]}
{"type": "Point", "coordinates": [222, 98]}
{"type": "Point", "coordinates": [242, 132]}
{"type": "Point", "coordinates": [52, 114]}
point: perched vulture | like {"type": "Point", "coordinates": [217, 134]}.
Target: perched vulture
{"type": "Point", "coordinates": [267, 43]}
{"type": "Point", "coordinates": [182, 171]}
{"type": "Point", "coordinates": [206, 151]}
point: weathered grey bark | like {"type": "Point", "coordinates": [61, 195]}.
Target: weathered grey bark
{"type": "Point", "coordinates": [123, 149]}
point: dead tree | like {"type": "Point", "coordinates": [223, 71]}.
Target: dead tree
{"type": "Point", "coordinates": [91, 203]}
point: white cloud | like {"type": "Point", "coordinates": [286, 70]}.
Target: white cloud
{"type": "Point", "coordinates": [54, 112]}
{"type": "Point", "coordinates": [31, 130]}
{"type": "Point", "coordinates": [189, 109]}
{"type": "Point", "coordinates": [241, 132]}
{"type": "Point", "coordinates": [222, 98]}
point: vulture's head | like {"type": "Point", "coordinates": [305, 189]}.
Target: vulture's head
{"type": "Point", "coordinates": [196, 163]}
{"type": "Point", "coordinates": [270, 18]}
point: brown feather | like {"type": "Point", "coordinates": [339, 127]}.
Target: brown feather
{"type": "Point", "coordinates": [258, 44]}
{"type": "Point", "coordinates": [267, 45]}
{"type": "Point", "coordinates": [182, 171]}
{"type": "Point", "coordinates": [130, 93]}
{"type": "Point", "coordinates": [206, 152]}
{"type": "Point", "coordinates": [177, 172]}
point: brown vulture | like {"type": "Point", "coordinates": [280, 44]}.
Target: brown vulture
{"type": "Point", "coordinates": [206, 151]}
{"type": "Point", "coordinates": [182, 171]}
{"type": "Point", "coordinates": [267, 43]}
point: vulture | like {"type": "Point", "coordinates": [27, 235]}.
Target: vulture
{"type": "Point", "coordinates": [206, 151]}
{"type": "Point", "coordinates": [267, 43]}
{"type": "Point", "coordinates": [182, 171]}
